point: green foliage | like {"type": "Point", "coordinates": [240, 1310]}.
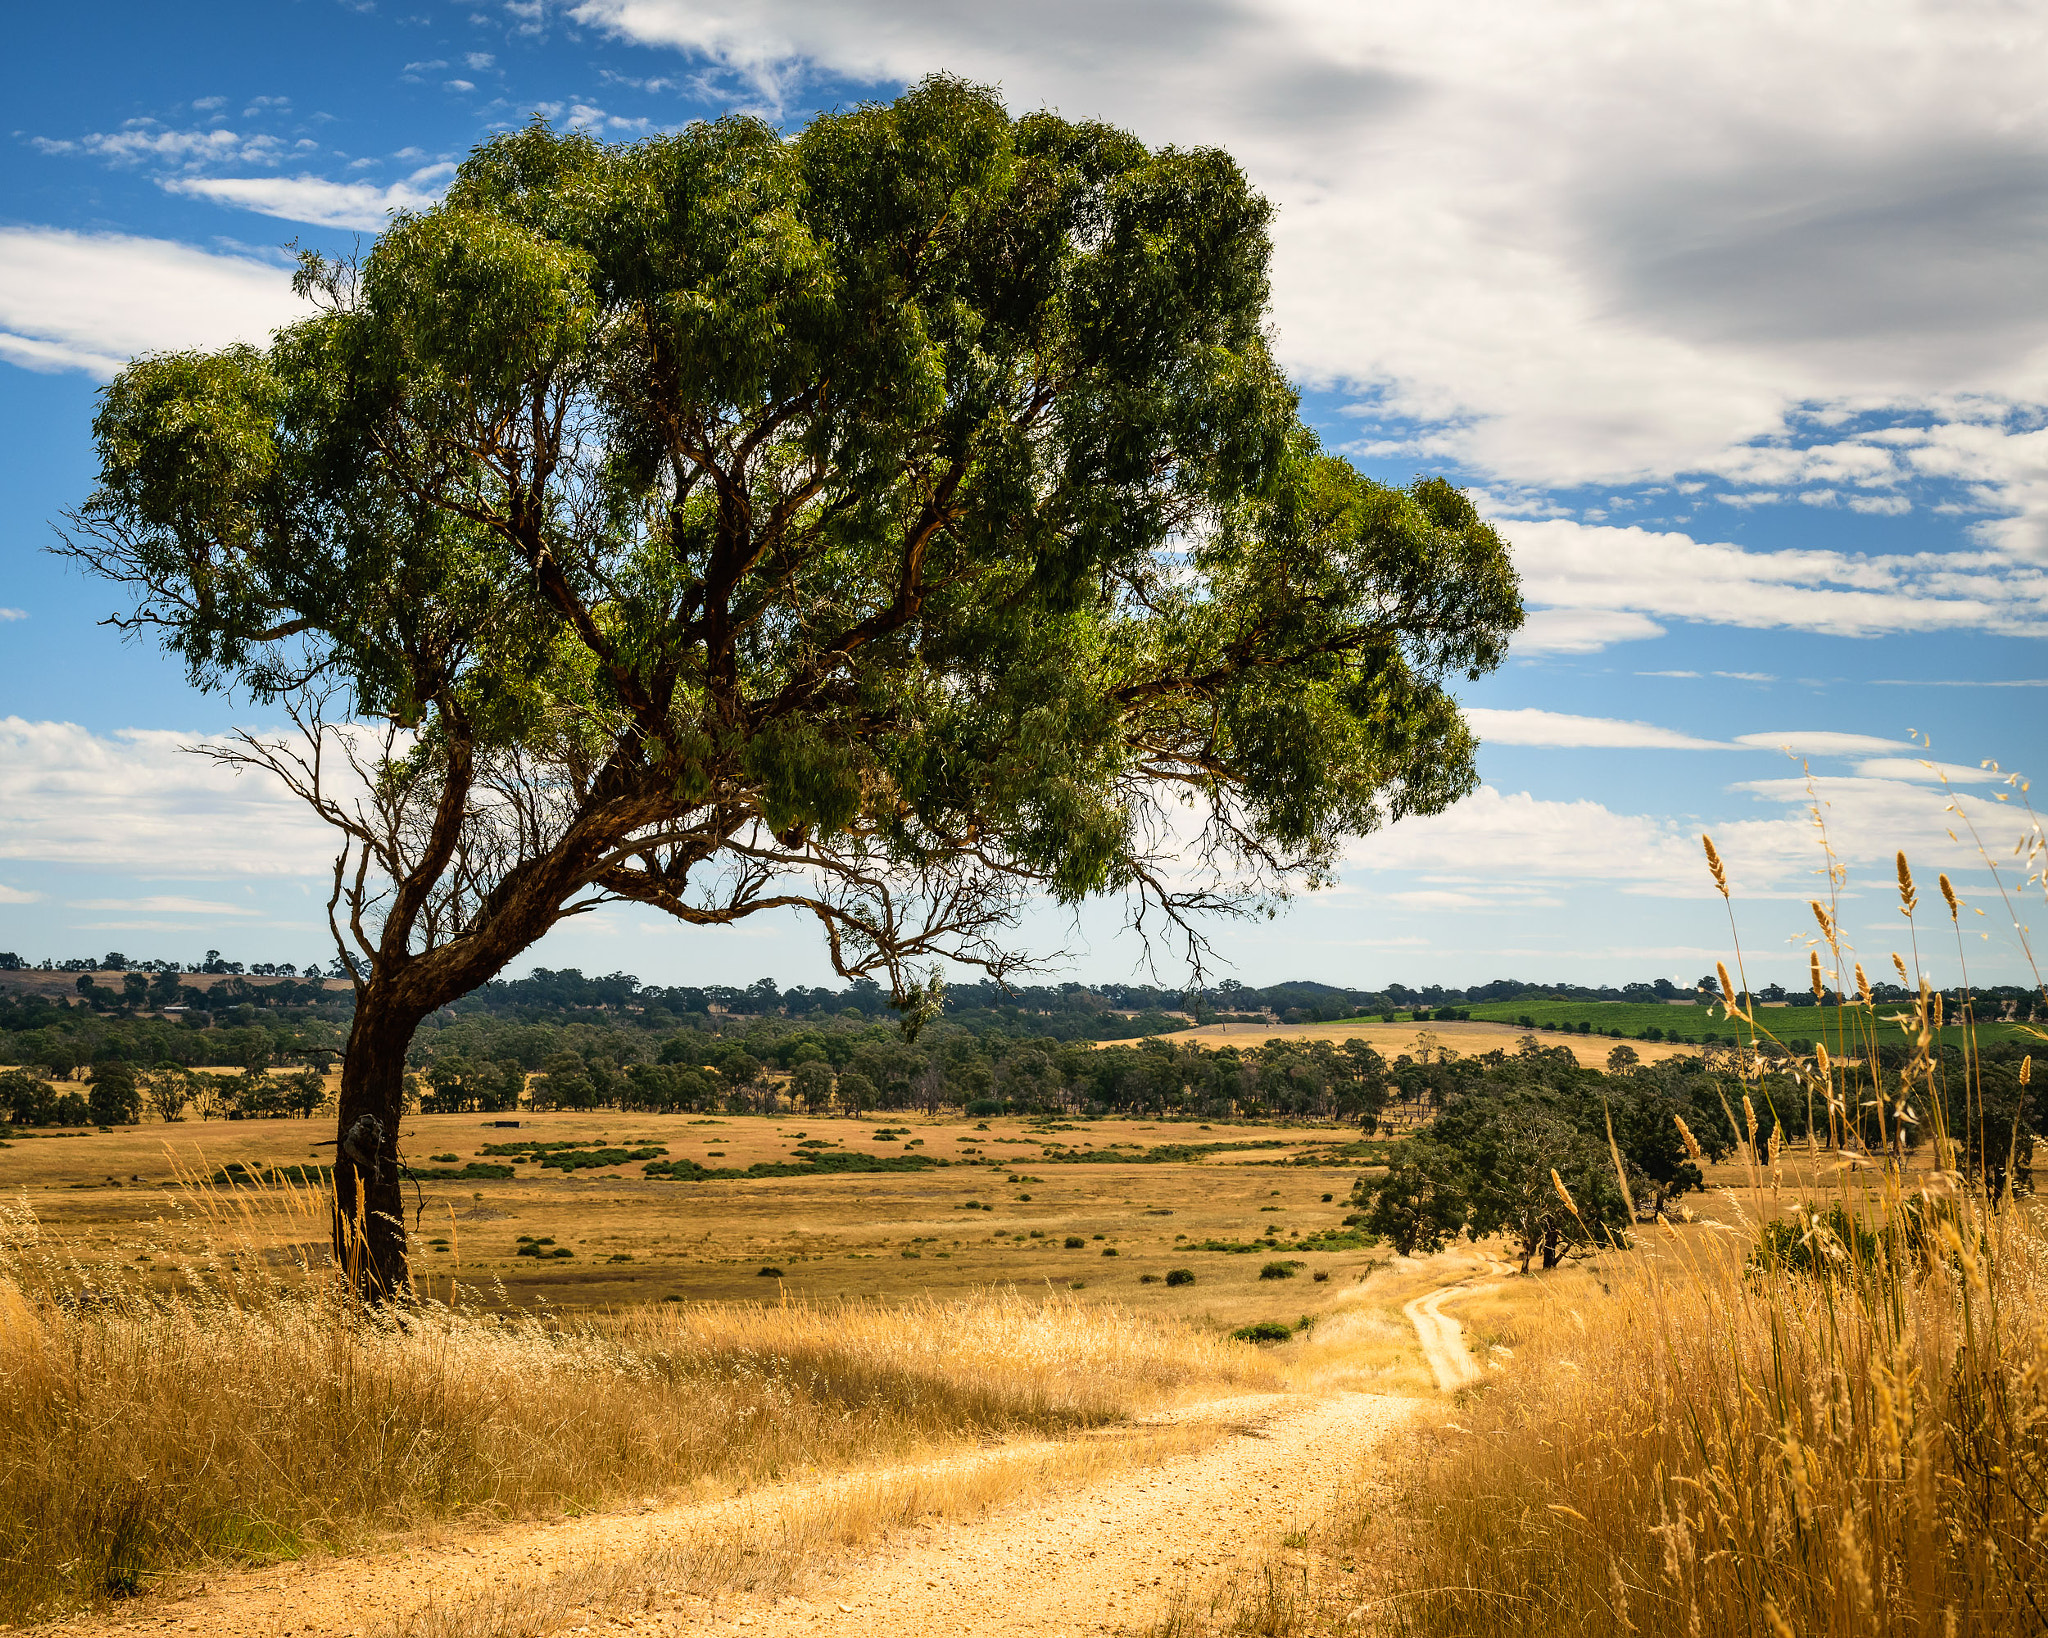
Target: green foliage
{"type": "Point", "coordinates": [1283, 1270]}
{"type": "Point", "coordinates": [913, 498]}
{"type": "Point", "coordinates": [814, 1164]}
{"type": "Point", "coordinates": [114, 1097]}
{"type": "Point", "coordinates": [1180, 1276]}
{"type": "Point", "coordinates": [1263, 1331]}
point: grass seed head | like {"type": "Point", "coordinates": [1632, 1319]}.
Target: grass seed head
{"type": "Point", "coordinates": [1727, 985]}
{"type": "Point", "coordinates": [1820, 989]}
{"type": "Point", "coordinates": [1714, 864]}
{"type": "Point", "coordinates": [1907, 898]}
{"type": "Point", "coordinates": [1948, 892]}
{"type": "Point", "coordinates": [1863, 987]}
{"type": "Point", "coordinates": [1898, 963]}
{"type": "Point", "coordinates": [1820, 914]}
{"type": "Point", "coordinates": [2027, 1070]}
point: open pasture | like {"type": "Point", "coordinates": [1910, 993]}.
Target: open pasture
{"type": "Point", "coordinates": [1002, 1211]}
{"type": "Point", "coordinates": [1469, 1037]}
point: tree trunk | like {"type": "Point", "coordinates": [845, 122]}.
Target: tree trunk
{"type": "Point", "coordinates": [369, 1207]}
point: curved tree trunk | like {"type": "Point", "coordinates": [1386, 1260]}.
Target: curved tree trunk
{"type": "Point", "coordinates": [369, 1208]}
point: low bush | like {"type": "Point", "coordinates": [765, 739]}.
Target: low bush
{"type": "Point", "coordinates": [1180, 1276]}
{"type": "Point", "coordinates": [771, 1272]}
{"type": "Point", "coordinates": [1281, 1270]}
{"type": "Point", "coordinates": [1263, 1331]}
{"type": "Point", "coordinates": [1075, 1242]}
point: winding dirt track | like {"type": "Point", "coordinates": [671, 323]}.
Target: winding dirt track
{"type": "Point", "coordinates": [1442, 1337]}
{"type": "Point", "coordinates": [1108, 1558]}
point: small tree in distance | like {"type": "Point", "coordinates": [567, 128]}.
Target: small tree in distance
{"type": "Point", "coordinates": [888, 523]}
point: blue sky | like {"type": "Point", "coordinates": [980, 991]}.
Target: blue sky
{"type": "Point", "coordinates": [1731, 318]}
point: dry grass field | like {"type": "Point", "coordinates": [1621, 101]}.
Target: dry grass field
{"type": "Point", "coordinates": [1468, 1037]}
{"type": "Point", "coordinates": [885, 1235]}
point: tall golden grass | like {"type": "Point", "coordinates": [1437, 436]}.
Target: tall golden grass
{"type": "Point", "coordinates": [1828, 1419]}
{"type": "Point", "coordinates": [232, 1404]}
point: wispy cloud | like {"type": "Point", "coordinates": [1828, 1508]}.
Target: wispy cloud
{"type": "Point", "coordinates": [164, 904]}
{"type": "Point", "coordinates": [314, 199]}
{"type": "Point", "coordinates": [1556, 729]}
{"type": "Point", "coordinates": [13, 614]}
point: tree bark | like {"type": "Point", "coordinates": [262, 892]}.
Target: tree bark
{"type": "Point", "coordinates": [369, 1207]}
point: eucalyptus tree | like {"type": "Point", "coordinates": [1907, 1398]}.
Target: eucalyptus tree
{"type": "Point", "coordinates": [889, 522]}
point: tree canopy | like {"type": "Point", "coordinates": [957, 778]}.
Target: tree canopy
{"type": "Point", "coordinates": [889, 522]}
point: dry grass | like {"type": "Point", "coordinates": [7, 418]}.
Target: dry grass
{"type": "Point", "coordinates": [253, 1412]}
{"type": "Point", "coordinates": [1823, 1414]}
{"type": "Point", "coordinates": [1732, 1449]}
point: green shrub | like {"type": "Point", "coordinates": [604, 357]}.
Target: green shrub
{"type": "Point", "coordinates": [1075, 1242]}
{"type": "Point", "coordinates": [1180, 1276]}
{"type": "Point", "coordinates": [1109, 1251]}
{"type": "Point", "coordinates": [1264, 1331]}
{"type": "Point", "coordinates": [1322, 1274]}
{"type": "Point", "coordinates": [1281, 1270]}
{"type": "Point", "coordinates": [444, 1160]}
{"type": "Point", "coordinates": [1148, 1279]}
{"type": "Point", "coordinates": [770, 1272]}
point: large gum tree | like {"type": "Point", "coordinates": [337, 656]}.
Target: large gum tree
{"type": "Point", "coordinates": [892, 522]}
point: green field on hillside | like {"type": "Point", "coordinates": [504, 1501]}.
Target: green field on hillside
{"type": "Point", "coordinates": [1699, 1023]}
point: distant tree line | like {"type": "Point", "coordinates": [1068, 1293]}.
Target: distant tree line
{"type": "Point", "coordinates": [1067, 1011]}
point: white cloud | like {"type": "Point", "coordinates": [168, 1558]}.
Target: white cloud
{"type": "Point", "coordinates": [1554, 728]}
{"type": "Point", "coordinates": [1899, 767]}
{"type": "Point", "coordinates": [17, 895]}
{"type": "Point", "coordinates": [1647, 575]}
{"type": "Point", "coordinates": [144, 141]}
{"type": "Point", "coordinates": [1516, 835]}
{"type": "Point", "coordinates": [1691, 232]}
{"type": "Point", "coordinates": [313, 199]}
{"type": "Point", "coordinates": [1581, 631]}
{"type": "Point", "coordinates": [12, 614]}
{"type": "Point", "coordinates": [1528, 842]}
{"type": "Point", "coordinates": [135, 802]}
{"type": "Point", "coordinates": [90, 301]}
{"type": "Point", "coordinates": [1822, 742]}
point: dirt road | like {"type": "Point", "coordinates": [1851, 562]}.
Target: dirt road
{"type": "Point", "coordinates": [1442, 1337]}
{"type": "Point", "coordinates": [1057, 1561]}
{"type": "Point", "coordinates": [1104, 1554]}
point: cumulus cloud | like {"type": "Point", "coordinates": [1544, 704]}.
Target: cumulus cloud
{"type": "Point", "coordinates": [1647, 258]}
{"type": "Point", "coordinates": [1535, 842]}
{"type": "Point", "coordinates": [144, 141]}
{"type": "Point", "coordinates": [90, 301]}
{"type": "Point", "coordinates": [361, 205]}
{"type": "Point", "coordinates": [135, 802]}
